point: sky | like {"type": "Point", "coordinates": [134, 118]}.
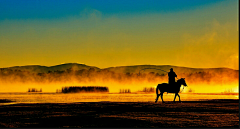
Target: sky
{"type": "Point", "coordinates": [109, 33]}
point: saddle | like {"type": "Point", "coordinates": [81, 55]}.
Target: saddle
{"type": "Point", "coordinates": [171, 86]}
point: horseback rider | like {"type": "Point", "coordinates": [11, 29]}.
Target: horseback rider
{"type": "Point", "coordinates": [171, 77]}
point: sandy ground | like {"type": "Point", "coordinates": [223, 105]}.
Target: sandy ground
{"type": "Point", "coordinates": [212, 113]}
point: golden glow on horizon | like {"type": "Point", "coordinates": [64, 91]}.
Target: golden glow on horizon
{"type": "Point", "coordinates": [114, 87]}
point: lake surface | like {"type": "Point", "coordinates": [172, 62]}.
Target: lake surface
{"type": "Point", "coordinates": [97, 97]}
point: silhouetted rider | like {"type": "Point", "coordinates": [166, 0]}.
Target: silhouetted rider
{"type": "Point", "coordinates": [171, 77]}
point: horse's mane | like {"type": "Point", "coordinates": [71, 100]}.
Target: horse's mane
{"type": "Point", "coordinates": [178, 81]}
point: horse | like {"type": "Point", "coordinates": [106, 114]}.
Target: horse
{"type": "Point", "coordinates": [165, 87]}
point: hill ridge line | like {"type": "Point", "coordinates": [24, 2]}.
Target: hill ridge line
{"type": "Point", "coordinates": [116, 66]}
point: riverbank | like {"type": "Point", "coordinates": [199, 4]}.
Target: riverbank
{"type": "Point", "coordinates": [207, 113]}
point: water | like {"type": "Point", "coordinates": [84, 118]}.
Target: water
{"type": "Point", "coordinates": [96, 97]}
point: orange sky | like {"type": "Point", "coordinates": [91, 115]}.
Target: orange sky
{"type": "Point", "coordinates": [204, 36]}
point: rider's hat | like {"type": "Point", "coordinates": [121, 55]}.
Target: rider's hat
{"type": "Point", "coordinates": [171, 69]}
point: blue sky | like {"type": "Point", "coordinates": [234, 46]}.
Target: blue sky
{"type": "Point", "coordinates": [52, 9]}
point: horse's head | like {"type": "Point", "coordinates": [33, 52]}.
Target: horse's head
{"type": "Point", "coordinates": [182, 81]}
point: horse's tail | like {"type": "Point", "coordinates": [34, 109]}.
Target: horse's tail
{"type": "Point", "coordinates": [157, 88]}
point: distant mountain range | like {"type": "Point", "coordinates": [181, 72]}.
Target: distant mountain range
{"type": "Point", "coordinates": [120, 69]}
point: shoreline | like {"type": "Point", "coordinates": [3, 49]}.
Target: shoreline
{"type": "Point", "coordinates": [210, 113]}
{"type": "Point", "coordinates": [113, 93]}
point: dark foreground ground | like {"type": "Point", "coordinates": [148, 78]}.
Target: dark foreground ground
{"type": "Point", "coordinates": [212, 113]}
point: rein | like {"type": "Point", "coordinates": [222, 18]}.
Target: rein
{"type": "Point", "coordinates": [182, 90]}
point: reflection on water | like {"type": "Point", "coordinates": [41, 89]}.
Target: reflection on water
{"type": "Point", "coordinates": [92, 97]}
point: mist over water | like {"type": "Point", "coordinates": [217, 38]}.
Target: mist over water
{"type": "Point", "coordinates": [97, 97]}
{"type": "Point", "coordinates": [19, 79]}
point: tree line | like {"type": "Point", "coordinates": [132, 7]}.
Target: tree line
{"type": "Point", "coordinates": [77, 89]}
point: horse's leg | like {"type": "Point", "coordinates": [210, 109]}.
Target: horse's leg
{"type": "Point", "coordinates": [175, 97]}
{"type": "Point", "coordinates": [179, 97]}
{"type": "Point", "coordinates": [157, 97]}
{"type": "Point", "coordinates": [162, 96]}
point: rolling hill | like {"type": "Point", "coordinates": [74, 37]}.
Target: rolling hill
{"type": "Point", "coordinates": [177, 69]}
{"type": "Point", "coordinates": [45, 69]}
{"type": "Point", "coordinates": [121, 69]}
